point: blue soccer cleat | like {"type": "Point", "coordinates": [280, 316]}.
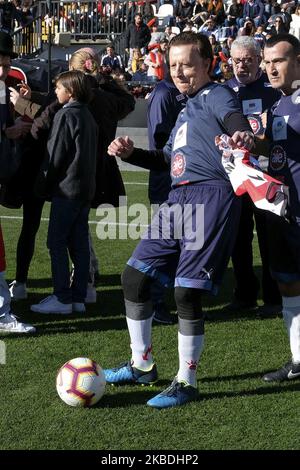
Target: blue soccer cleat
{"type": "Point", "coordinates": [127, 374]}
{"type": "Point", "coordinates": [178, 393]}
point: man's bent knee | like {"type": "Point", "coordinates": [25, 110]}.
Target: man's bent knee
{"type": "Point", "coordinates": [136, 285]}
{"type": "Point", "coordinates": [189, 303]}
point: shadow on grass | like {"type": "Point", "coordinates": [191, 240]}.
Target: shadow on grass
{"type": "Point", "coordinates": [44, 283]}
{"type": "Point", "coordinates": [125, 399]}
{"type": "Point", "coordinates": [266, 390]}
{"type": "Point", "coordinates": [109, 280]}
{"type": "Point", "coordinates": [141, 395]}
{"type": "Point", "coordinates": [213, 302]}
{"type": "Point", "coordinates": [225, 378]}
{"type": "Point", "coordinates": [47, 283]}
{"type": "Point", "coordinates": [111, 304]}
{"type": "Point", "coordinates": [54, 325]}
{"type": "Point", "coordinates": [220, 315]}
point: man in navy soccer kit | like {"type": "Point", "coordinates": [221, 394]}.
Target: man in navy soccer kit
{"type": "Point", "coordinates": [282, 61]}
{"type": "Point", "coordinates": [257, 97]}
{"type": "Point", "coordinates": [164, 104]}
{"type": "Point", "coordinates": [190, 239]}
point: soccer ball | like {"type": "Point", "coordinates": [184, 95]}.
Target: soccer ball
{"type": "Point", "coordinates": [80, 382]}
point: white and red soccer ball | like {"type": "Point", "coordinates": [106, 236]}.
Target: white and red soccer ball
{"type": "Point", "coordinates": [80, 382]}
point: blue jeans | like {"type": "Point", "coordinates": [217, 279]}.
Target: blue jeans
{"type": "Point", "coordinates": [68, 234]}
{"type": "Point", "coordinates": [4, 296]}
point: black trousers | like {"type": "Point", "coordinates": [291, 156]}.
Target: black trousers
{"type": "Point", "coordinates": [247, 284]}
{"type": "Point", "coordinates": [32, 213]}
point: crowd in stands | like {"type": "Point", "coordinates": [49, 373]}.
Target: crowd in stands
{"type": "Point", "coordinates": [144, 58]}
{"type": "Point", "coordinates": [224, 19]}
{"type": "Point", "coordinates": [16, 13]}
{"type": "Point", "coordinates": [147, 33]}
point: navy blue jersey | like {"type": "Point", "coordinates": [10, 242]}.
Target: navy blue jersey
{"type": "Point", "coordinates": [283, 130]}
{"type": "Point", "coordinates": [164, 105]}
{"type": "Point", "coordinates": [191, 148]}
{"type": "Point", "coordinates": [256, 98]}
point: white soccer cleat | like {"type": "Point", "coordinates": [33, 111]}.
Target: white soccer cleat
{"type": "Point", "coordinates": [51, 305]}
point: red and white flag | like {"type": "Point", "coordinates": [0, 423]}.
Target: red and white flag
{"type": "Point", "coordinates": [266, 192]}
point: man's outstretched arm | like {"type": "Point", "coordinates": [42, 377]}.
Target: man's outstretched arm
{"type": "Point", "coordinates": [123, 148]}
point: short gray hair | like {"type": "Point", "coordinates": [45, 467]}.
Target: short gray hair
{"type": "Point", "coordinates": [246, 42]}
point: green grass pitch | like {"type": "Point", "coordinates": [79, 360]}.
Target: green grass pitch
{"type": "Point", "coordinates": [236, 409]}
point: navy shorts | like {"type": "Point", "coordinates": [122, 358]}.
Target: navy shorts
{"type": "Point", "coordinates": [191, 237]}
{"type": "Point", "coordinates": [284, 249]}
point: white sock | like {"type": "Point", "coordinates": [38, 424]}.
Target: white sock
{"type": "Point", "coordinates": [140, 342]}
{"type": "Point", "coordinates": [291, 315]}
{"type": "Point", "coordinates": [189, 350]}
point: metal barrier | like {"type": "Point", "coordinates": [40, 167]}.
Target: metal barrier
{"type": "Point", "coordinates": [28, 39]}
{"type": "Point", "coordinates": [91, 19]}
{"type": "Point", "coordinates": [86, 20]}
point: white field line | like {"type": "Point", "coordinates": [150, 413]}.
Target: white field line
{"type": "Point", "coordinates": [117, 224]}
{"type": "Point", "coordinates": [135, 183]}
{"type": "Point", "coordinates": [45, 219]}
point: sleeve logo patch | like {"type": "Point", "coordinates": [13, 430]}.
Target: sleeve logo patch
{"type": "Point", "coordinates": [178, 165]}
{"type": "Point", "coordinates": [255, 124]}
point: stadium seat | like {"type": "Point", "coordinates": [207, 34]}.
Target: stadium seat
{"type": "Point", "coordinates": [164, 15]}
{"type": "Point", "coordinates": [165, 10]}
{"type": "Point", "coordinates": [175, 30]}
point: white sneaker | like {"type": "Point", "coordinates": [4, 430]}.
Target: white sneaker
{"type": "Point", "coordinates": [91, 294]}
{"type": "Point", "coordinates": [78, 307]}
{"type": "Point", "coordinates": [10, 324]}
{"type": "Point", "coordinates": [50, 305]}
{"type": "Point", "coordinates": [18, 290]}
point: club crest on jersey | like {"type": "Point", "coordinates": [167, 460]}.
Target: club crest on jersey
{"type": "Point", "coordinates": [178, 165]}
{"type": "Point", "coordinates": [255, 124]}
{"type": "Point", "coordinates": [277, 158]}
